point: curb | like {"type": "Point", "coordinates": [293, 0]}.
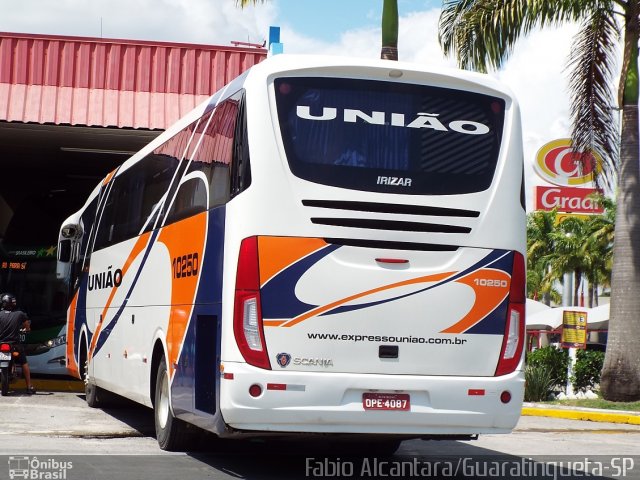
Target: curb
{"type": "Point", "coordinates": [588, 415]}
{"type": "Point", "coordinates": [56, 385]}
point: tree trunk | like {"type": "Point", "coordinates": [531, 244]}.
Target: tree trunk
{"type": "Point", "coordinates": [389, 49]}
{"type": "Point", "coordinates": [620, 379]}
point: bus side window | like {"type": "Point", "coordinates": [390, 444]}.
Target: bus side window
{"type": "Point", "coordinates": [158, 172]}
{"type": "Point", "coordinates": [104, 233]}
{"type": "Point", "coordinates": [191, 199]}
{"type": "Point", "coordinates": [216, 153]}
{"type": "Point", "coordinates": [207, 181]}
{"type": "Point", "coordinates": [87, 222]}
{"type": "Point", "coordinates": [180, 148]}
{"type": "Point", "coordinates": [240, 166]}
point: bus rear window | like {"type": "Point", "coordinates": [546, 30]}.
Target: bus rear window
{"type": "Point", "coordinates": [389, 137]}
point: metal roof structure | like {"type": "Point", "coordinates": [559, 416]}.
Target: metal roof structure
{"type": "Point", "coordinates": [59, 80]}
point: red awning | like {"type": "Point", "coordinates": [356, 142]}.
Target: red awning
{"type": "Point", "coordinates": [111, 83]}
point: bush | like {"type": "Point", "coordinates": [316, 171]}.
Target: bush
{"type": "Point", "coordinates": [538, 383]}
{"type": "Point", "coordinates": [586, 374]}
{"type": "Point", "coordinates": [555, 360]}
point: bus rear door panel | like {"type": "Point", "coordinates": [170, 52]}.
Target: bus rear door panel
{"type": "Point", "coordinates": [195, 384]}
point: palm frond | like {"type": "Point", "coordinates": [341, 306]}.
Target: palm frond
{"type": "Point", "coordinates": [482, 33]}
{"type": "Point", "coordinates": [593, 113]}
{"type": "Point", "coordinates": [244, 3]}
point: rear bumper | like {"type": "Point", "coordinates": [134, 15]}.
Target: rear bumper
{"type": "Point", "coordinates": [332, 403]}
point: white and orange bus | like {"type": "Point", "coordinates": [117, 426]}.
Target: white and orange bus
{"type": "Point", "coordinates": [326, 245]}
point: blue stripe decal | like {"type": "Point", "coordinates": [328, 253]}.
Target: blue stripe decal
{"type": "Point", "coordinates": [278, 296]}
{"type": "Point", "coordinates": [494, 323]}
{"type": "Point", "coordinates": [490, 259]}
{"type": "Point", "coordinates": [80, 317]}
{"type": "Point", "coordinates": [106, 331]}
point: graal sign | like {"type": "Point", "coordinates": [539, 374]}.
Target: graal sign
{"type": "Point", "coordinates": [557, 163]}
{"type": "Point", "coordinates": [567, 199]}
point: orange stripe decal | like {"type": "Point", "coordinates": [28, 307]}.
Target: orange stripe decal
{"type": "Point", "coordinates": [491, 287]}
{"type": "Point", "coordinates": [72, 365]}
{"type": "Point", "coordinates": [139, 246]}
{"type": "Point", "coordinates": [109, 176]}
{"type": "Point", "coordinates": [185, 241]}
{"type": "Point", "coordinates": [277, 253]}
{"type": "Point", "coordinates": [325, 308]}
{"type": "Point", "coordinates": [273, 323]}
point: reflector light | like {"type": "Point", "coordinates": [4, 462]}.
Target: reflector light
{"type": "Point", "coordinates": [477, 391]}
{"type": "Point", "coordinates": [276, 386]}
{"type": "Point", "coordinates": [255, 390]}
{"type": "Point", "coordinates": [505, 397]}
{"type": "Point", "coordinates": [228, 376]}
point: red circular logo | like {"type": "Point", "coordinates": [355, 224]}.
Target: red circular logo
{"type": "Point", "coordinates": [557, 163]}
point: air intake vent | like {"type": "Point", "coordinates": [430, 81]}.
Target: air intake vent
{"type": "Point", "coordinates": [425, 247]}
{"type": "Point", "coordinates": [390, 225]}
{"type": "Point", "coordinates": [373, 207]}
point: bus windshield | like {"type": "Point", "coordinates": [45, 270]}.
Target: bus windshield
{"type": "Point", "coordinates": [389, 137]}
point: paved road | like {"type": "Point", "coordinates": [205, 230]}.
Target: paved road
{"type": "Point", "coordinates": [118, 444]}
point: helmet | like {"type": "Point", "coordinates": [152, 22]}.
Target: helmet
{"type": "Point", "coordinates": [8, 301]}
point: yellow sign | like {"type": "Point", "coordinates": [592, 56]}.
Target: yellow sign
{"type": "Point", "coordinates": [560, 217]}
{"type": "Point", "coordinates": [574, 329]}
{"type": "Point", "coordinates": [557, 163]}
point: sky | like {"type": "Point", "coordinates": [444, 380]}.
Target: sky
{"type": "Point", "coordinates": [535, 71]}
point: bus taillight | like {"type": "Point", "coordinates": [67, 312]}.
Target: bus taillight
{"type": "Point", "coordinates": [514, 333]}
{"type": "Point", "coordinates": [247, 322]}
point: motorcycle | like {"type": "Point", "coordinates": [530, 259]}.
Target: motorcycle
{"type": "Point", "coordinates": [7, 365]}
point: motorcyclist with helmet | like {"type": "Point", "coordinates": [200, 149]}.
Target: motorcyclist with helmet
{"type": "Point", "coordinates": [12, 321]}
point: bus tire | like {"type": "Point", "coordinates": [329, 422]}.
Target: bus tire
{"type": "Point", "coordinates": [5, 381]}
{"type": "Point", "coordinates": [82, 371]}
{"type": "Point", "coordinates": [94, 395]}
{"type": "Point", "coordinates": [91, 394]}
{"type": "Point", "coordinates": [172, 433]}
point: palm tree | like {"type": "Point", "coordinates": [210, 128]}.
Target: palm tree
{"type": "Point", "coordinates": [481, 33]}
{"type": "Point", "coordinates": [389, 50]}
{"type": "Point", "coordinates": [598, 249]}
{"type": "Point", "coordinates": [567, 256]}
{"type": "Point", "coordinates": [541, 285]}
{"type": "Point", "coordinates": [540, 226]}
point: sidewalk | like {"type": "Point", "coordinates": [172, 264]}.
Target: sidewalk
{"type": "Point", "coordinates": [578, 413]}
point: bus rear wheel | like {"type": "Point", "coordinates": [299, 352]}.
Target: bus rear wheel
{"type": "Point", "coordinates": [172, 433]}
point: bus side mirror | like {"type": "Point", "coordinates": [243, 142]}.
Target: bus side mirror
{"type": "Point", "coordinates": [64, 251]}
